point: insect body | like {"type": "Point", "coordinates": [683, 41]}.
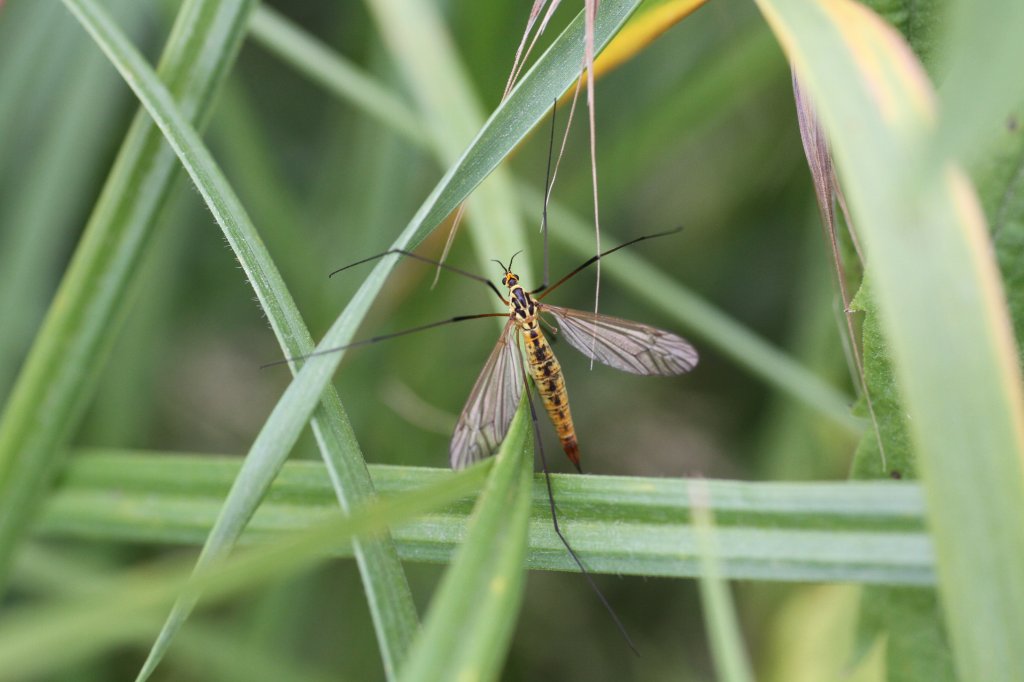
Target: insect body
{"type": "Point", "coordinates": [547, 373]}
{"type": "Point", "coordinates": [625, 345]}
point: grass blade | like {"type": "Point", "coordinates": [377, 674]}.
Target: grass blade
{"type": "Point", "coordinates": [206, 648]}
{"type": "Point", "coordinates": [296, 406]}
{"type": "Point", "coordinates": [647, 26]}
{"type": "Point", "coordinates": [942, 307]}
{"type": "Point", "coordinates": [719, 611]}
{"type": "Point", "coordinates": [387, 591]}
{"type": "Point", "coordinates": [469, 627]}
{"type": "Point", "coordinates": [854, 532]}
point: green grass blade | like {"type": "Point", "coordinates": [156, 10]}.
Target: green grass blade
{"type": "Point", "coordinates": [719, 611]}
{"type": "Point", "coordinates": [942, 309]}
{"type": "Point", "coordinates": [469, 627]}
{"type": "Point", "coordinates": [59, 374]}
{"type": "Point", "coordinates": [387, 591]}
{"type": "Point", "coordinates": [36, 641]}
{"type": "Point", "coordinates": [856, 532]}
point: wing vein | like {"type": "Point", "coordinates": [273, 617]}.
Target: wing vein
{"type": "Point", "coordinates": [491, 404]}
{"type": "Point", "coordinates": [624, 344]}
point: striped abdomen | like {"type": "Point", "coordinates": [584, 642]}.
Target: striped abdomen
{"type": "Point", "coordinates": [547, 375]}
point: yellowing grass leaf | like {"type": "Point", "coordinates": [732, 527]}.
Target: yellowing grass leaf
{"type": "Point", "coordinates": [642, 30]}
{"type": "Point", "coordinates": [942, 310]}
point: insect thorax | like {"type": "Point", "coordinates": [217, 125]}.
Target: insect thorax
{"type": "Point", "coordinates": [522, 307]}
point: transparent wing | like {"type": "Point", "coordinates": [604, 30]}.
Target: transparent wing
{"type": "Point", "coordinates": [623, 344]}
{"type": "Point", "coordinates": [488, 412]}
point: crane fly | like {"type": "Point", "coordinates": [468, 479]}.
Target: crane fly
{"type": "Point", "coordinates": [623, 344]}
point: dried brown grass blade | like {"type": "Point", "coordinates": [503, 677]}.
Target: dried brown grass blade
{"type": "Point", "coordinates": [828, 192]}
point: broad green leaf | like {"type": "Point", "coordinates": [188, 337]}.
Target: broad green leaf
{"type": "Point", "coordinates": [909, 620]}
{"type": "Point", "coordinates": [999, 177]}
{"type": "Point", "coordinates": [980, 83]}
{"type": "Point", "coordinates": [908, 623]}
{"type": "Point", "coordinates": [920, 23]}
{"type": "Point", "coordinates": [940, 302]}
{"type": "Point", "coordinates": [885, 450]}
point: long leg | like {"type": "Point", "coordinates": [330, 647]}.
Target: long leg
{"type": "Point", "coordinates": [539, 446]}
{"type": "Point", "coordinates": [593, 259]}
{"type": "Point", "coordinates": [424, 259]}
{"type": "Point", "coordinates": [547, 197]}
{"type": "Point", "coordinates": [383, 337]}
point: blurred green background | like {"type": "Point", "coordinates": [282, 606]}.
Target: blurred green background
{"type": "Point", "coordinates": [698, 131]}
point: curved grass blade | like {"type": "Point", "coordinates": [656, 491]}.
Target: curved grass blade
{"type": "Point", "coordinates": [62, 368]}
{"type": "Point", "coordinates": [469, 627]}
{"type": "Point", "coordinates": [553, 73]}
{"type": "Point", "coordinates": [387, 590]}
{"type": "Point", "coordinates": [941, 304]}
